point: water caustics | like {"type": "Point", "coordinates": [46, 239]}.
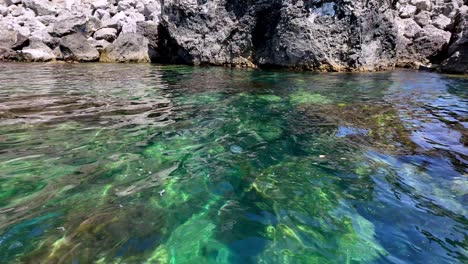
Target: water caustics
{"type": "Point", "coordinates": [173, 164]}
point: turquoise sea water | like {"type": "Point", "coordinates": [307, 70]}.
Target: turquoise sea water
{"type": "Point", "coordinates": [105, 163]}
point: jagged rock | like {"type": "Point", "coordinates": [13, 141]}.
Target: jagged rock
{"type": "Point", "coordinates": [11, 39]}
{"type": "Point", "coordinates": [101, 14]}
{"type": "Point", "coordinates": [7, 54]}
{"type": "Point", "coordinates": [124, 5]}
{"type": "Point", "coordinates": [128, 47]}
{"type": "Point", "coordinates": [100, 4]}
{"type": "Point", "coordinates": [457, 63]}
{"type": "Point", "coordinates": [16, 11]}
{"type": "Point", "coordinates": [407, 11]}
{"type": "Point", "coordinates": [116, 21]}
{"type": "Point", "coordinates": [409, 27]}
{"type": "Point", "coordinates": [331, 36]}
{"type": "Point", "coordinates": [36, 52]}
{"type": "Point", "coordinates": [47, 20]}
{"type": "Point", "coordinates": [423, 18]}
{"type": "Point", "coordinates": [44, 37]}
{"type": "Point", "coordinates": [108, 34]}
{"type": "Point", "coordinates": [100, 45]}
{"type": "Point", "coordinates": [3, 10]}
{"type": "Point", "coordinates": [422, 4]}
{"type": "Point", "coordinates": [12, 2]}
{"type": "Point", "coordinates": [66, 25]}
{"type": "Point", "coordinates": [57, 53]}
{"type": "Point", "coordinates": [41, 7]}
{"type": "Point", "coordinates": [75, 47]}
{"type": "Point", "coordinates": [442, 22]}
{"type": "Point", "coordinates": [149, 29]}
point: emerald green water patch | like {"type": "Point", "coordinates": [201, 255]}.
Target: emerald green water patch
{"type": "Point", "coordinates": [304, 98]}
{"type": "Point", "coordinates": [175, 164]}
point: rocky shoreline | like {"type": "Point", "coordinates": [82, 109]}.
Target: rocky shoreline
{"type": "Point", "coordinates": [341, 35]}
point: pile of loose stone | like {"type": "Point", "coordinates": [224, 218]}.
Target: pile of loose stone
{"type": "Point", "coordinates": [427, 27]}
{"type": "Point", "coordinates": [75, 30]}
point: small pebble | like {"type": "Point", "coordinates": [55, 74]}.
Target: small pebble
{"type": "Point", "coordinates": [61, 228]}
{"type": "Point", "coordinates": [322, 156]}
{"type": "Point", "coordinates": [161, 192]}
{"type": "Point", "coordinates": [236, 149]}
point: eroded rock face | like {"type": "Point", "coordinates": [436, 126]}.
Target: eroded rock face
{"type": "Point", "coordinates": [339, 35]}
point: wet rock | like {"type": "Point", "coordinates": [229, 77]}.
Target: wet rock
{"type": "Point", "coordinates": [128, 47]}
{"type": "Point", "coordinates": [457, 62]}
{"type": "Point", "coordinates": [75, 47]}
{"type": "Point", "coordinates": [7, 54]}
{"type": "Point", "coordinates": [100, 45]}
{"type": "Point", "coordinates": [108, 34]}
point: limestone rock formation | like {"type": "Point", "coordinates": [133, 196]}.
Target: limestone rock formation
{"type": "Point", "coordinates": [320, 35]}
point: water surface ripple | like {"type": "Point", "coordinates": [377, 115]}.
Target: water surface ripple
{"type": "Point", "coordinates": [105, 163]}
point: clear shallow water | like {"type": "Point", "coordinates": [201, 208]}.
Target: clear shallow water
{"type": "Point", "coordinates": [172, 164]}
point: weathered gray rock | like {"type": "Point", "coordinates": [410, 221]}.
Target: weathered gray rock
{"type": "Point", "coordinates": [407, 11]}
{"type": "Point", "coordinates": [338, 35]}
{"type": "Point", "coordinates": [66, 25]}
{"type": "Point", "coordinates": [12, 2]}
{"type": "Point", "coordinates": [423, 18]}
{"type": "Point", "coordinates": [422, 4]}
{"type": "Point", "coordinates": [128, 47]}
{"type": "Point", "coordinates": [108, 34]}
{"type": "Point", "coordinates": [7, 54]}
{"type": "Point", "coordinates": [10, 39]}
{"type": "Point", "coordinates": [441, 22]}
{"type": "Point", "coordinates": [100, 45]}
{"type": "Point", "coordinates": [75, 47]}
{"type": "Point", "coordinates": [36, 52]}
{"type": "Point", "coordinates": [100, 4]}
{"type": "Point", "coordinates": [457, 61]}
{"type": "Point", "coordinates": [3, 10]}
{"type": "Point", "coordinates": [116, 21]}
{"type": "Point", "coordinates": [41, 7]}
